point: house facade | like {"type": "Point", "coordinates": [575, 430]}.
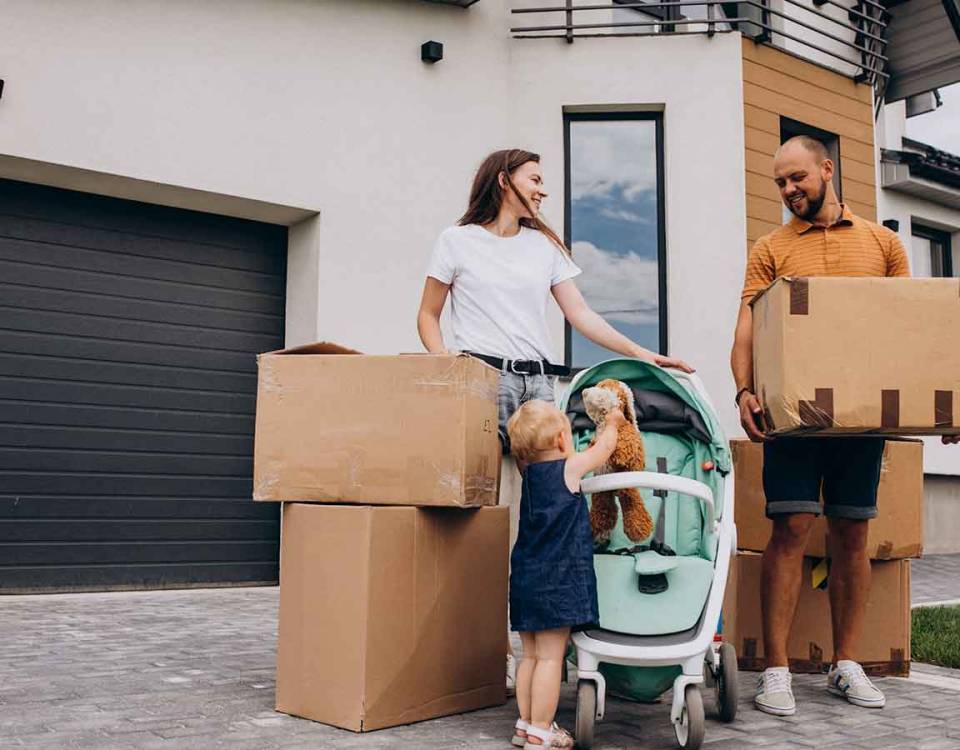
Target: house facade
{"type": "Point", "coordinates": [185, 185]}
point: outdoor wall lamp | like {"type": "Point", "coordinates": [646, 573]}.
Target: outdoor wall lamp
{"type": "Point", "coordinates": [431, 52]}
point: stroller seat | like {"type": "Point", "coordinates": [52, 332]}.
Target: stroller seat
{"type": "Point", "coordinates": [624, 610]}
{"type": "Point", "coordinates": [660, 598]}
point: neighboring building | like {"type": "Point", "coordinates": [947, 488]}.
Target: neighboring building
{"type": "Point", "coordinates": [920, 199]}
{"type": "Point", "coordinates": [187, 184]}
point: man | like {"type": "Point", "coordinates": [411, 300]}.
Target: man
{"type": "Point", "coordinates": [822, 239]}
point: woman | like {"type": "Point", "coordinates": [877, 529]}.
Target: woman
{"type": "Point", "coordinates": [499, 265]}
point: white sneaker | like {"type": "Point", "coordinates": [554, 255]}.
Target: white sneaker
{"type": "Point", "coordinates": [774, 692]}
{"type": "Point", "coordinates": [849, 680]}
{"type": "Point", "coordinates": [511, 676]}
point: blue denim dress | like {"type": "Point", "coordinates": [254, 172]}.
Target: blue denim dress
{"type": "Point", "coordinates": [552, 583]}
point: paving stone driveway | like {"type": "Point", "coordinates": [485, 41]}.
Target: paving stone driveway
{"type": "Point", "coordinates": [195, 670]}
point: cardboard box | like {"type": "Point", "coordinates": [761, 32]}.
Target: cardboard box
{"type": "Point", "coordinates": [851, 355]}
{"type": "Point", "coordinates": [335, 426]}
{"type": "Point", "coordinates": [391, 615]}
{"type": "Point", "coordinates": [896, 532]}
{"type": "Point", "coordinates": [884, 648]}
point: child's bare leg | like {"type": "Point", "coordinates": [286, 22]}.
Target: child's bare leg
{"type": "Point", "coordinates": [525, 673]}
{"type": "Point", "coordinates": [551, 648]}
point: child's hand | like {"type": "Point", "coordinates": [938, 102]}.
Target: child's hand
{"type": "Point", "coordinates": [615, 419]}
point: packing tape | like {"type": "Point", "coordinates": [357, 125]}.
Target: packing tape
{"type": "Point", "coordinates": [890, 408]}
{"type": "Point", "coordinates": [457, 378]}
{"type": "Point", "coordinates": [819, 412]}
{"type": "Point", "coordinates": [799, 296]}
{"type": "Point", "coordinates": [269, 380]}
{"type": "Point", "coordinates": [943, 408]}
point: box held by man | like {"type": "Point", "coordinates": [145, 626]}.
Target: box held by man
{"type": "Point", "coordinates": [858, 355]}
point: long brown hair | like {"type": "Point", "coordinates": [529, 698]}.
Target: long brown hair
{"type": "Point", "coordinates": [486, 194]}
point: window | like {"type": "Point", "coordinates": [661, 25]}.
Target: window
{"type": "Point", "coordinates": [791, 128]}
{"type": "Point", "coordinates": [930, 251]}
{"type": "Point", "coordinates": [614, 226]}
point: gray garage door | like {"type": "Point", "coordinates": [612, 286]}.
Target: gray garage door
{"type": "Point", "coordinates": [127, 392]}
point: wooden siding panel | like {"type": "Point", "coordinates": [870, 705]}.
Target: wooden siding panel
{"type": "Point", "coordinates": [809, 93]}
{"type": "Point", "coordinates": [777, 84]}
{"type": "Point", "coordinates": [828, 79]}
{"type": "Point", "coordinates": [797, 109]}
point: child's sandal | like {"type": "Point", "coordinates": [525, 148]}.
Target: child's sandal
{"type": "Point", "coordinates": [519, 738]}
{"type": "Point", "coordinates": [553, 738]}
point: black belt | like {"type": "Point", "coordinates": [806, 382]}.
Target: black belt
{"type": "Point", "coordinates": [522, 366]}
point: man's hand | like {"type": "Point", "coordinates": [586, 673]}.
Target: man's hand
{"type": "Point", "coordinates": [677, 364]}
{"type": "Point", "coordinates": [948, 439]}
{"type": "Point", "coordinates": [751, 417]}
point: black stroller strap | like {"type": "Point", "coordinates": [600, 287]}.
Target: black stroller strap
{"type": "Point", "coordinates": [646, 584]}
{"type": "Point", "coordinates": [659, 547]}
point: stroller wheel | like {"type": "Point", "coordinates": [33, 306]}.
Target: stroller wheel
{"type": "Point", "coordinates": [586, 713]}
{"type": "Point", "coordinates": [727, 687]}
{"type": "Point", "coordinates": [692, 723]}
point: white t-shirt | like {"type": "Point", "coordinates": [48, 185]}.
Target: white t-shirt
{"type": "Point", "coordinates": [499, 289]}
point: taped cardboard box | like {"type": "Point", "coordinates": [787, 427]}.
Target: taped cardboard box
{"type": "Point", "coordinates": [853, 355]}
{"type": "Point", "coordinates": [896, 532]}
{"type": "Point", "coordinates": [335, 426]}
{"type": "Point", "coordinates": [391, 615]}
{"type": "Point", "coordinates": [885, 646]}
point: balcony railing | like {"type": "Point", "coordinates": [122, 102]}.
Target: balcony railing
{"type": "Point", "coordinates": [846, 36]}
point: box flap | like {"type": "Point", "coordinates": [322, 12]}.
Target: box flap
{"type": "Point", "coordinates": [319, 347]}
{"type": "Point", "coordinates": [758, 295]}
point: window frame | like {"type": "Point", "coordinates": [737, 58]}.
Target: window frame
{"type": "Point", "coordinates": [620, 116]}
{"type": "Point", "coordinates": [943, 238]}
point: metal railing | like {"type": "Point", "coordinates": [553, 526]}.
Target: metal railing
{"type": "Point", "coordinates": [852, 44]}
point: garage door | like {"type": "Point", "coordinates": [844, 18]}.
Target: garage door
{"type": "Point", "coordinates": [127, 392]}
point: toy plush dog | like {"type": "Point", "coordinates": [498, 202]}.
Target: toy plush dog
{"type": "Point", "coordinates": [599, 401]}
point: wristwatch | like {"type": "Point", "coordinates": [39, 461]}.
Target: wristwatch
{"type": "Point", "coordinates": [740, 393]}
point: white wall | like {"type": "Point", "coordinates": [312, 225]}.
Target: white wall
{"type": "Point", "coordinates": [325, 106]}
{"type": "Point", "coordinates": [697, 82]}
{"type": "Point", "coordinates": [325, 109]}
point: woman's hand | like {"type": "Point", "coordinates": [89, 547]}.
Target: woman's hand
{"type": "Point", "coordinates": [677, 364]}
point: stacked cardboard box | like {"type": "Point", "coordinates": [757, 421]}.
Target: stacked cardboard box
{"type": "Point", "coordinates": [895, 536]}
{"type": "Point", "coordinates": [393, 567]}
{"type": "Point", "coordinates": [853, 355]}
{"type": "Point", "coordinates": [831, 356]}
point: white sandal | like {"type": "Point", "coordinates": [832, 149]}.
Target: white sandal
{"type": "Point", "coordinates": [553, 738]}
{"type": "Point", "coordinates": [519, 738]}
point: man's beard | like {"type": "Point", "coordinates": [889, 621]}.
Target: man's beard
{"type": "Point", "coordinates": [813, 204]}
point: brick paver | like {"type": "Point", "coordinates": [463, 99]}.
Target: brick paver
{"type": "Point", "coordinates": [935, 578]}
{"type": "Point", "coordinates": [195, 669]}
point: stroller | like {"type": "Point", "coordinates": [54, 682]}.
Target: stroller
{"type": "Point", "coordinates": [660, 601]}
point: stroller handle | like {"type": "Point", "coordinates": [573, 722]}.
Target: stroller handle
{"type": "Point", "coordinates": [653, 481]}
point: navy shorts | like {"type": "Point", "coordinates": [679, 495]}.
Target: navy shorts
{"type": "Point", "coordinates": [846, 468]}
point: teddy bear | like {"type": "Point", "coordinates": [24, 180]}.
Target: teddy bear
{"type": "Point", "coordinates": [599, 401]}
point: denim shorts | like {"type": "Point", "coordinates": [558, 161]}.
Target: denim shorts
{"type": "Point", "coordinates": [846, 468]}
{"type": "Point", "coordinates": [515, 390]}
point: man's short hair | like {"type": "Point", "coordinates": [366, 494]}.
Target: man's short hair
{"type": "Point", "coordinates": [811, 144]}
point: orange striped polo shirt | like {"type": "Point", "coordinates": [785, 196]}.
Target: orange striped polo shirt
{"type": "Point", "coordinates": [850, 247]}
